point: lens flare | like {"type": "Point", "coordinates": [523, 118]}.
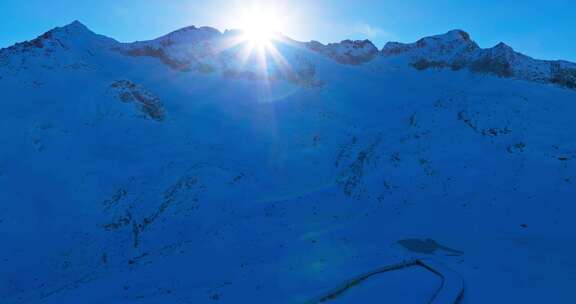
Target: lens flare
{"type": "Point", "coordinates": [259, 26]}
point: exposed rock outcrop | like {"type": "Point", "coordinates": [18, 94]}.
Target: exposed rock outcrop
{"type": "Point", "coordinates": [149, 104]}
{"type": "Point", "coordinates": [207, 50]}
{"type": "Point", "coordinates": [346, 52]}
{"type": "Point", "coordinates": [456, 50]}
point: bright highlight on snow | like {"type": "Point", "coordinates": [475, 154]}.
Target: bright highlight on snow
{"type": "Point", "coordinates": [261, 27]}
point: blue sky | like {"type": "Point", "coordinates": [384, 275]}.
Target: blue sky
{"type": "Point", "coordinates": [542, 29]}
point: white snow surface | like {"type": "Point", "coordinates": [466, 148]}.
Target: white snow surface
{"type": "Point", "coordinates": [177, 171]}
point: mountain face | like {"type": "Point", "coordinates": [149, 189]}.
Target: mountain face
{"type": "Point", "coordinates": [455, 50]}
{"type": "Point", "coordinates": [188, 169]}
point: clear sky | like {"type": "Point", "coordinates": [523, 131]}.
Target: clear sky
{"type": "Point", "coordinates": [540, 28]}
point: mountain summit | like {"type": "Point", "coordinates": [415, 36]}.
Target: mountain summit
{"type": "Point", "coordinates": [207, 49]}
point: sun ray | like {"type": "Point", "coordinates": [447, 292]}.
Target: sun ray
{"type": "Point", "coordinates": [257, 45]}
{"type": "Point", "coordinates": [281, 62]}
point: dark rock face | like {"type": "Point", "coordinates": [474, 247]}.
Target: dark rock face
{"type": "Point", "coordinates": [304, 73]}
{"type": "Point", "coordinates": [456, 50]}
{"type": "Point", "coordinates": [490, 65]}
{"type": "Point", "coordinates": [35, 43]}
{"type": "Point", "coordinates": [453, 43]}
{"type": "Point", "coordinates": [149, 104]}
{"type": "Point", "coordinates": [181, 50]}
{"type": "Point", "coordinates": [427, 246]}
{"type": "Point", "coordinates": [346, 52]}
{"type": "Point", "coordinates": [497, 61]}
{"type": "Point", "coordinates": [563, 76]}
{"type": "Point", "coordinates": [424, 64]}
{"type": "Point", "coordinates": [159, 53]}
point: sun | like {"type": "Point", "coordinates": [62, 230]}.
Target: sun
{"type": "Point", "coordinates": [260, 26]}
{"type": "Point", "coordinates": [260, 42]}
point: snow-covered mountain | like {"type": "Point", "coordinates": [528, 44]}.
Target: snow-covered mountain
{"type": "Point", "coordinates": [186, 170]}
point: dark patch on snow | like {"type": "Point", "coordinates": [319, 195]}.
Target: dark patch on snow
{"type": "Point", "coordinates": [427, 246]}
{"type": "Point", "coordinates": [148, 103]}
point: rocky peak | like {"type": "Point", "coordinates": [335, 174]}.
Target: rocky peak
{"type": "Point", "coordinates": [179, 49]}
{"type": "Point", "coordinates": [67, 47]}
{"type": "Point", "coordinates": [206, 49]}
{"type": "Point", "coordinates": [190, 34]}
{"type": "Point", "coordinates": [451, 45]}
{"type": "Point", "coordinates": [75, 27]}
{"type": "Point", "coordinates": [501, 50]}
{"type": "Point", "coordinates": [79, 35]}
{"type": "Point", "coordinates": [346, 52]}
{"type": "Point", "coordinates": [457, 35]}
{"type": "Point", "coordinates": [74, 36]}
{"type": "Point", "coordinates": [503, 46]}
{"type": "Point", "coordinates": [456, 50]}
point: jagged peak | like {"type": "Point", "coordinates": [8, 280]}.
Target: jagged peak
{"type": "Point", "coordinates": [450, 37]}
{"type": "Point", "coordinates": [192, 28]}
{"type": "Point", "coordinates": [347, 43]}
{"type": "Point", "coordinates": [191, 34]}
{"type": "Point", "coordinates": [64, 37]}
{"type": "Point", "coordinates": [75, 27]}
{"type": "Point", "coordinates": [454, 41]}
{"type": "Point", "coordinates": [457, 35]}
{"type": "Point", "coordinates": [361, 43]}
{"type": "Point", "coordinates": [502, 47]}
{"type": "Point", "coordinates": [504, 52]}
{"type": "Point", "coordinates": [346, 51]}
{"type": "Point", "coordinates": [456, 50]}
{"type": "Point", "coordinates": [76, 24]}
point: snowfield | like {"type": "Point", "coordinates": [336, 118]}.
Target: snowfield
{"type": "Point", "coordinates": [178, 171]}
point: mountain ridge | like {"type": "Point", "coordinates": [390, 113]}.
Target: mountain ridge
{"type": "Point", "coordinates": [201, 46]}
{"type": "Point", "coordinates": [198, 48]}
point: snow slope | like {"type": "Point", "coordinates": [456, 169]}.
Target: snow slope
{"type": "Point", "coordinates": [178, 171]}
